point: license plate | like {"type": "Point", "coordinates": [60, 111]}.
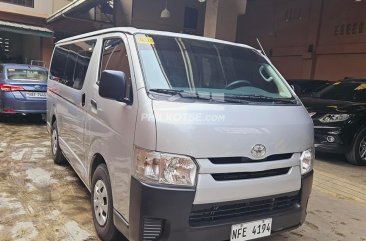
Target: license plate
{"type": "Point", "coordinates": [251, 230]}
{"type": "Point", "coordinates": [35, 94]}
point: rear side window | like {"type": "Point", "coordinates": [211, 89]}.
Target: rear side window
{"type": "Point", "coordinates": [70, 63]}
{"type": "Point", "coordinates": [114, 57]}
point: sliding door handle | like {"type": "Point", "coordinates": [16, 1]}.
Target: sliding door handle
{"type": "Point", "coordinates": [94, 104]}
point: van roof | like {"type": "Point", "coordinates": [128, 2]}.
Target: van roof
{"type": "Point", "coordinates": [130, 30]}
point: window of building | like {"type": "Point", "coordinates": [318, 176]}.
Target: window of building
{"type": "Point", "coordinates": [190, 20]}
{"type": "Point", "coordinates": [26, 3]}
{"type": "Point", "coordinates": [4, 46]}
{"type": "Point", "coordinates": [114, 57]}
{"type": "Point", "coordinates": [70, 63]}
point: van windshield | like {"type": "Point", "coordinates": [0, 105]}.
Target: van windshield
{"type": "Point", "coordinates": [211, 71]}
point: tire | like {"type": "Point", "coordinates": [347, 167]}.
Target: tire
{"type": "Point", "coordinates": [57, 156]}
{"type": "Point", "coordinates": [102, 205]}
{"type": "Point", "coordinates": [357, 155]}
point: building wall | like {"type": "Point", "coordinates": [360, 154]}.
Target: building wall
{"type": "Point", "coordinates": [41, 8]}
{"type": "Point", "coordinates": [58, 4]}
{"type": "Point", "coordinates": [29, 47]}
{"type": "Point", "coordinates": [308, 38]}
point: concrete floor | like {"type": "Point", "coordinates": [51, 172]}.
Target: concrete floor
{"type": "Point", "coordinates": [41, 201]}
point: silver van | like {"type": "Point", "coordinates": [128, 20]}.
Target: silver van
{"type": "Point", "coordinates": [179, 137]}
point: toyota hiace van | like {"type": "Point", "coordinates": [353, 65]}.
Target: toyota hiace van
{"type": "Point", "coordinates": [179, 137]}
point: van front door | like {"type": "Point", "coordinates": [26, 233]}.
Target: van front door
{"type": "Point", "coordinates": [110, 124]}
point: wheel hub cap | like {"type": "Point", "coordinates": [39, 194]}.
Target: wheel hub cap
{"type": "Point", "coordinates": [54, 140]}
{"type": "Point", "coordinates": [100, 202]}
{"type": "Point", "coordinates": [363, 149]}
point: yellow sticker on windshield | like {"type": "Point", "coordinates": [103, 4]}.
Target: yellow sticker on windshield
{"type": "Point", "coordinates": [145, 40]}
{"type": "Point", "coordinates": [361, 87]}
{"type": "Point", "coordinates": [11, 70]}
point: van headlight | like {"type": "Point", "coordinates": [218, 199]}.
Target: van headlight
{"type": "Point", "coordinates": [162, 168]}
{"type": "Point", "coordinates": [307, 159]}
{"type": "Point", "coordinates": [330, 118]}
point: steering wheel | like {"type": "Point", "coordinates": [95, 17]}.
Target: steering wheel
{"type": "Point", "coordinates": [238, 84]}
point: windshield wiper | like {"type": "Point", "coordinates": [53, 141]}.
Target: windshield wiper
{"type": "Point", "coordinates": [182, 94]}
{"type": "Point", "coordinates": [196, 95]}
{"type": "Point", "coordinates": [262, 98]}
{"type": "Point", "coordinates": [167, 91]}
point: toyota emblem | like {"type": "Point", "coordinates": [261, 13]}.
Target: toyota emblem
{"type": "Point", "coordinates": [258, 151]}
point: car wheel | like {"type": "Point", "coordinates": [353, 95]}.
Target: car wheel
{"type": "Point", "coordinates": [57, 156]}
{"type": "Point", "coordinates": [102, 205]}
{"type": "Point", "coordinates": [357, 154]}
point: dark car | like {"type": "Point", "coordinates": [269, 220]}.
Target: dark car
{"type": "Point", "coordinates": [305, 88]}
{"type": "Point", "coordinates": [23, 89]}
{"type": "Point", "coordinates": [339, 115]}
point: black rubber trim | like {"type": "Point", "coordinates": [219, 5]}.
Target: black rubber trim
{"type": "Point", "coordinates": [238, 160]}
{"type": "Point", "coordinates": [250, 175]}
{"type": "Point", "coordinates": [250, 209]}
{"type": "Point", "coordinates": [172, 205]}
{"type": "Point", "coordinates": [120, 223]}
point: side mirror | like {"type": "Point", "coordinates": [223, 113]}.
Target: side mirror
{"type": "Point", "coordinates": [112, 85]}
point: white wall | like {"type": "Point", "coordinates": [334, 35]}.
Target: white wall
{"type": "Point", "coordinates": [42, 8]}
{"type": "Point", "coordinates": [58, 4]}
{"type": "Point", "coordinates": [123, 12]}
{"type": "Point", "coordinates": [222, 17]}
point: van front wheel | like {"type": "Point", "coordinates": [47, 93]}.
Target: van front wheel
{"type": "Point", "coordinates": [102, 204]}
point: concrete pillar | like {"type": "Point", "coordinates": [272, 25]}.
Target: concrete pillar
{"type": "Point", "coordinates": [222, 17]}
{"type": "Point", "coordinates": [123, 11]}
{"type": "Point", "coordinates": [309, 58]}
{"type": "Point", "coordinates": [46, 50]}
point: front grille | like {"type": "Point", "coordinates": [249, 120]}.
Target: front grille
{"type": "Point", "coordinates": [153, 229]}
{"type": "Point", "coordinates": [250, 175]}
{"type": "Point", "coordinates": [238, 160]}
{"type": "Point", "coordinates": [222, 212]}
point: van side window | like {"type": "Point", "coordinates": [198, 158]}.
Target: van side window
{"type": "Point", "coordinates": [114, 57]}
{"type": "Point", "coordinates": [70, 63]}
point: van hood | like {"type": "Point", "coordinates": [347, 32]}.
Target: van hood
{"type": "Point", "coordinates": [204, 130]}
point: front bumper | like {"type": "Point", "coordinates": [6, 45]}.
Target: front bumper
{"type": "Point", "coordinates": [330, 139]}
{"type": "Point", "coordinates": [171, 209]}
